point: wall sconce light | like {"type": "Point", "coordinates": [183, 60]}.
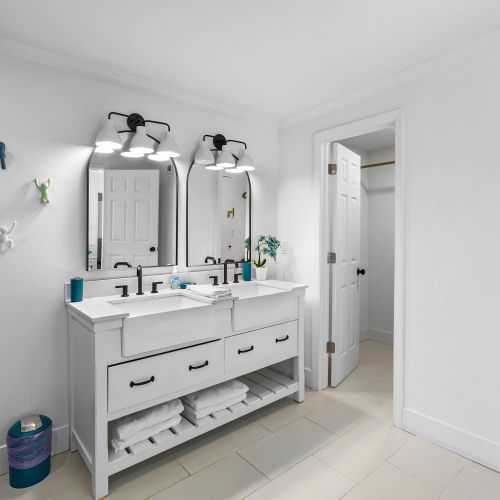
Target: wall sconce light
{"type": "Point", "coordinates": [140, 143]}
{"type": "Point", "coordinates": [226, 160]}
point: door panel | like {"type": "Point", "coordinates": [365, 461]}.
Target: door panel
{"type": "Point", "coordinates": [346, 232]}
{"type": "Point", "coordinates": [130, 223]}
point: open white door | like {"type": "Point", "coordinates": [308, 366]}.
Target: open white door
{"type": "Point", "coordinates": [130, 226]}
{"type": "Point", "coordinates": [346, 235]}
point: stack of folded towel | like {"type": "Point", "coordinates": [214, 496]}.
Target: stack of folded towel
{"type": "Point", "coordinates": [214, 292]}
{"type": "Point", "coordinates": [200, 404]}
{"type": "Point", "coordinates": [126, 431]}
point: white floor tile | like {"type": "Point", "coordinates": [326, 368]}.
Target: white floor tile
{"type": "Point", "coordinates": [308, 479]}
{"type": "Point", "coordinates": [219, 444]}
{"type": "Point", "coordinates": [343, 414]}
{"type": "Point", "coordinates": [428, 462]}
{"type": "Point", "coordinates": [362, 449]}
{"type": "Point", "coordinates": [390, 483]}
{"type": "Point", "coordinates": [474, 483]}
{"type": "Point", "coordinates": [229, 479]}
{"type": "Point", "coordinates": [285, 415]}
{"type": "Point", "coordinates": [289, 445]}
{"type": "Point", "coordinates": [146, 479]}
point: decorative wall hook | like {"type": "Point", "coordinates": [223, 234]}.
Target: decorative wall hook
{"type": "Point", "coordinates": [43, 188]}
{"type": "Point", "coordinates": [6, 242]}
{"type": "Point", "coordinates": [2, 156]}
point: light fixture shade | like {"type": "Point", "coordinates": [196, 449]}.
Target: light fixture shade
{"type": "Point", "coordinates": [132, 154]}
{"type": "Point", "coordinates": [225, 158]}
{"type": "Point", "coordinates": [141, 143]}
{"type": "Point", "coordinates": [101, 149]}
{"type": "Point", "coordinates": [168, 147]}
{"type": "Point", "coordinates": [158, 157]}
{"type": "Point", "coordinates": [214, 167]}
{"type": "Point", "coordinates": [246, 162]}
{"type": "Point", "coordinates": [203, 155]}
{"type": "Point", "coordinates": [235, 170]}
{"type": "Point", "coordinates": [108, 137]}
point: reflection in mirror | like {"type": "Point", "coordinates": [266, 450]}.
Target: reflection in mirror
{"type": "Point", "coordinates": [132, 212]}
{"type": "Point", "coordinates": [218, 216]}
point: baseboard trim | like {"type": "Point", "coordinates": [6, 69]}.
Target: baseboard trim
{"type": "Point", "coordinates": [364, 334]}
{"type": "Point", "coordinates": [377, 336]}
{"type": "Point", "coordinates": [60, 444]}
{"type": "Point", "coordinates": [467, 444]}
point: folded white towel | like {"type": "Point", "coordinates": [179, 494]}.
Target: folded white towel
{"type": "Point", "coordinates": [121, 444]}
{"type": "Point", "coordinates": [191, 413]}
{"type": "Point", "coordinates": [211, 291]}
{"type": "Point", "coordinates": [216, 394]}
{"type": "Point", "coordinates": [123, 428]}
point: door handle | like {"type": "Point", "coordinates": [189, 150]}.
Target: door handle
{"type": "Point", "coordinates": [152, 249]}
{"type": "Point", "coordinates": [361, 271]}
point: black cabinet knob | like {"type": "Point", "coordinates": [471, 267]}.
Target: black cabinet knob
{"type": "Point", "coordinates": [361, 271]}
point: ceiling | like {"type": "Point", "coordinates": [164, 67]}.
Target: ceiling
{"type": "Point", "coordinates": [373, 141]}
{"type": "Point", "coordinates": [274, 58]}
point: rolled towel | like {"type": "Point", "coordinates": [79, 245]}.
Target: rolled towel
{"type": "Point", "coordinates": [191, 413]}
{"type": "Point", "coordinates": [125, 427]}
{"type": "Point", "coordinates": [215, 292]}
{"type": "Point", "coordinates": [211, 396]}
{"type": "Point", "coordinates": [121, 444]}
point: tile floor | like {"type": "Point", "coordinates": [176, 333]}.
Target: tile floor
{"type": "Point", "coordinates": [339, 443]}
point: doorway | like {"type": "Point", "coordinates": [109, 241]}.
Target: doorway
{"type": "Point", "coordinates": [363, 328]}
{"type": "Point", "coordinates": [347, 322]}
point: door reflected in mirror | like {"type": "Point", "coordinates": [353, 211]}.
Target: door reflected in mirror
{"type": "Point", "coordinates": [132, 212]}
{"type": "Point", "coordinates": [218, 216]}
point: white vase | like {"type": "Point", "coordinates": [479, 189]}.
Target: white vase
{"type": "Point", "coordinates": [260, 273]}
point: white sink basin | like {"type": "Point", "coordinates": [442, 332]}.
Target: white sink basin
{"type": "Point", "coordinates": [155, 304]}
{"type": "Point", "coordinates": [164, 320]}
{"type": "Point", "coordinates": [258, 305]}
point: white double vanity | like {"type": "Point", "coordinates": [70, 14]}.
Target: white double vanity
{"type": "Point", "coordinates": [131, 353]}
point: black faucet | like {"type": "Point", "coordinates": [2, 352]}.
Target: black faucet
{"type": "Point", "coordinates": [226, 262]}
{"type": "Point", "coordinates": [207, 258]}
{"type": "Point", "coordinates": [139, 280]}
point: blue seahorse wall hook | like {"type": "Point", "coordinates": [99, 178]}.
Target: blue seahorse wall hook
{"type": "Point", "coordinates": [2, 156]}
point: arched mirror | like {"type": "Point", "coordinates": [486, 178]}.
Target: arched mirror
{"type": "Point", "coordinates": [218, 216]}
{"type": "Point", "coordinates": [132, 212]}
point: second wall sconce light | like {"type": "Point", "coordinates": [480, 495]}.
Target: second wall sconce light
{"type": "Point", "coordinates": [140, 143]}
{"type": "Point", "coordinates": [226, 160]}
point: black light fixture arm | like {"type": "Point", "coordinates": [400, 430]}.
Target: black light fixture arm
{"type": "Point", "coordinates": [219, 140]}
{"type": "Point", "coordinates": [135, 120]}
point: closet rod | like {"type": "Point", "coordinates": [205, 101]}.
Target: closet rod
{"type": "Point", "coordinates": [382, 163]}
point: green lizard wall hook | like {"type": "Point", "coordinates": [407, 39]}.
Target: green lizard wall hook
{"type": "Point", "coordinates": [43, 188]}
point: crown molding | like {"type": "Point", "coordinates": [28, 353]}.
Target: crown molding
{"type": "Point", "coordinates": [120, 79]}
{"type": "Point", "coordinates": [450, 58]}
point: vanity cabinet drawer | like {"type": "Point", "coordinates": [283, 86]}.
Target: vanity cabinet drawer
{"type": "Point", "coordinates": [146, 379]}
{"type": "Point", "coordinates": [250, 348]}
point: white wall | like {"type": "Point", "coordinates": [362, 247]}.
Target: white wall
{"type": "Point", "coordinates": [377, 224]}
{"type": "Point", "coordinates": [452, 345]}
{"type": "Point", "coordinates": [48, 120]}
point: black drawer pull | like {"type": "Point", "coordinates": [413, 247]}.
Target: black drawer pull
{"type": "Point", "coordinates": [152, 379]}
{"type": "Point", "coordinates": [283, 339]}
{"type": "Point", "coordinates": [242, 351]}
{"type": "Point", "coordinates": [191, 367]}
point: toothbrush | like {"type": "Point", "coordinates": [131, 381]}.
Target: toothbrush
{"type": "Point", "coordinates": [2, 155]}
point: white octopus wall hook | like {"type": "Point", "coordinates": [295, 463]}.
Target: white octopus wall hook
{"type": "Point", "coordinates": [6, 242]}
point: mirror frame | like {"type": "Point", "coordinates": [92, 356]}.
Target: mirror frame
{"type": "Point", "coordinates": [176, 263]}
{"type": "Point", "coordinates": [187, 219]}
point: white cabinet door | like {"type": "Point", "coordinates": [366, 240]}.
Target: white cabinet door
{"type": "Point", "coordinates": [130, 226]}
{"type": "Point", "coordinates": [344, 309]}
